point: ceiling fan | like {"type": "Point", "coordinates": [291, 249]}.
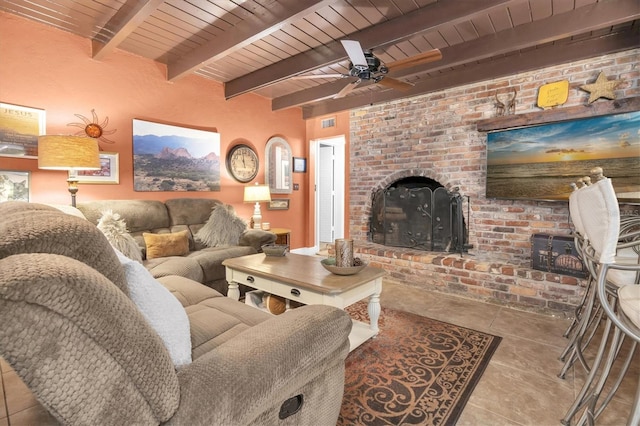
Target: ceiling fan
{"type": "Point", "coordinates": [364, 65]}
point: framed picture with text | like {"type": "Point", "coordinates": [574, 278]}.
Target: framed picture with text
{"type": "Point", "coordinates": [19, 130]}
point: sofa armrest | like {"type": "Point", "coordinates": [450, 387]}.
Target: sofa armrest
{"type": "Point", "coordinates": [248, 378]}
{"type": "Point", "coordinates": [256, 238]}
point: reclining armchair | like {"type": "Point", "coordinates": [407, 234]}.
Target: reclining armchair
{"type": "Point", "coordinates": [72, 333]}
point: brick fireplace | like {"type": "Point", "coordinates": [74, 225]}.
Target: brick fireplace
{"type": "Point", "coordinates": [435, 136]}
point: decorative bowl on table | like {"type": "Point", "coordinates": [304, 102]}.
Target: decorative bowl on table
{"type": "Point", "coordinates": [277, 250]}
{"type": "Point", "coordinates": [330, 265]}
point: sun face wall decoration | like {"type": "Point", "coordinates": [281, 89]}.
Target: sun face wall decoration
{"type": "Point", "coordinates": [93, 128]}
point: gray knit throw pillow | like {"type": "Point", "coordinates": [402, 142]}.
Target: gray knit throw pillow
{"type": "Point", "coordinates": [223, 228]}
{"type": "Point", "coordinates": [115, 229]}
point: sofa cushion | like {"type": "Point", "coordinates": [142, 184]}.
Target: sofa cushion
{"type": "Point", "coordinates": [214, 318]}
{"type": "Point", "coordinates": [223, 228]}
{"type": "Point", "coordinates": [256, 238]}
{"type": "Point", "coordinates": [36, 228]}
{"type": "Point", "coordinates": [210, 259]}
{"type": "Point", "coordinates": [175, 265]}
{"type": "Point", "coordinates": [115, 229]}
{"type": "Point", "coordinates": [169, 244]}
{"type": "Point", "coordinates": [162, 311]}
{"type": "Point", "coordinates": [80, 344]}
{"type": "Point", "coordinates": [190, 211]}
{"type": "Point", "coordinates": [140, 215]}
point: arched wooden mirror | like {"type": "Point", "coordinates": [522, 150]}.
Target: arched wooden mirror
{"type": "Point", "coordinates": [278, 166]}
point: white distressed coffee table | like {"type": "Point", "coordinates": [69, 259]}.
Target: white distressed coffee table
{"type": "Point", "coordinates": [303, 279]}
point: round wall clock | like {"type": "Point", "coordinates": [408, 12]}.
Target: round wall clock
{"type": "Point", "coordinates": [242, 163]}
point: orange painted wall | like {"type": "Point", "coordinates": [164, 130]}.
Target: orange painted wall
{"type": "Point", "coordinates": [43, 67]}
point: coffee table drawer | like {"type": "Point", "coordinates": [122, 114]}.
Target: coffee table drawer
{"type": "Point", "coordinates": [298, 294]}
{"type": "Point", "coordinates": [287, 291]}
{"type": "Point", "coordinates": [247, 279]}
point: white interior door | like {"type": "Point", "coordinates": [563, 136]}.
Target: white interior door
{"type": "Point", "coordinates": [330, 190]}
{"type": "Point", "coordinates": [326, 194]}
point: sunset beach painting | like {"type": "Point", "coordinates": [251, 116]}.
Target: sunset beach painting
{"type": "Point", "coordinates": [540, 162]}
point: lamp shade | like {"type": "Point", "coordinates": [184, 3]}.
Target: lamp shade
{"type": "Point", "coordinates": [257, 194]}
{"type": "Point", "coordinates": [62, 152]}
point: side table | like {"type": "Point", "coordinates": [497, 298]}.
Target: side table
{"type": "Point", "coordinates": [283, 235]}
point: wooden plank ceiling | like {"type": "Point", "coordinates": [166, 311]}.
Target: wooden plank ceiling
{"type": "Point", "coordinates": [261, 46]}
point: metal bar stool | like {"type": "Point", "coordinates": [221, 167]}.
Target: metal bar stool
{"type": "Point", "coordinates": [599, 212]}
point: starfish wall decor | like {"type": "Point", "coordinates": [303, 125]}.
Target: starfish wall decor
{"type": "Point", "coordinates": [93, 128]}
{"type": "Point", "coordinates": [601, 88]}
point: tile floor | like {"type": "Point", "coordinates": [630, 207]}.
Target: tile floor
{"type": "Point", "coordinates": [519, 387]}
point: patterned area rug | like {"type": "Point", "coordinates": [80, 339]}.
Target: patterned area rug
{"type": "Point", "coordinates": [416, 371]}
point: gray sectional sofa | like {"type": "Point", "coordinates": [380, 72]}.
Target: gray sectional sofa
{"type": "Point", "coordinates": [202, 264]}
{"type": "Point", "coordinates": [74, 330]}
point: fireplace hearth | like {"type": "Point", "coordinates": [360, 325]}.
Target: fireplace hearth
{"type": "Point", "coordinates": [420, 213]}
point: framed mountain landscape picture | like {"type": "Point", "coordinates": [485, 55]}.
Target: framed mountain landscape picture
{"type": "Point", "coordinates": [173, 158]}
{"type": "Point", "coordinates": [541, 162]}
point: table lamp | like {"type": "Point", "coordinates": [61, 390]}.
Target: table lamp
{"type": "Point", "coordinates": [71, 153]}
{"type": "Point", "coordinates": [257, 194]}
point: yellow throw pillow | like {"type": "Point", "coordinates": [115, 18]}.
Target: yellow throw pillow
{"type": "Point", "coordinates": [163, 245]}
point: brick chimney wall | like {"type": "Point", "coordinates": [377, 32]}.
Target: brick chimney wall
{"type": "Point", "coordinates": [435, 136]}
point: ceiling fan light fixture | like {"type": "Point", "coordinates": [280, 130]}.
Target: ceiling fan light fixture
{"type": "Point", "coordinates": [372, 61]}
{"type": "Point", "coordinates": [355, 71]}
{"type": "Point", "coordinates": [364, 65]}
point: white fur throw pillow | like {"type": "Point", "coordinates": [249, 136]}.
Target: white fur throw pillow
{"type": "Point", "coordinates": [115, 229]}
{"type": "Point", "coordinates": [161, 309]}
{"type": "Point", "coordinates": [223, 228]}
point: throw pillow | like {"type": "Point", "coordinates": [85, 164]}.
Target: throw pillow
{"type": "Point", "coordinates": [161, 309]}
{"type": "Point", "coordinates": [115, 229]}
{"type": "Point", "coordinates": [67, 209]}
{"type": "Point", "coordinates": [163, 245]}
{"type": "Point", "coordinates": [223, 228]}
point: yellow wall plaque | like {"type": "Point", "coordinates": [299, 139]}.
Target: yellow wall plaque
{"type": "Point", "coordinates": [553, 94]}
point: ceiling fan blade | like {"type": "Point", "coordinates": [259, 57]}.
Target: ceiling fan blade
{"type": "Point", "coordinates": [347, 89]}
{"type": "Point", "coordinates": [412, 61]}
{"type": "Point", "coordinates": [303, 77]}
{"type": "Point", "coordinates": [395, 84]}
{"type": "Point", "coordinates": [354, 50]}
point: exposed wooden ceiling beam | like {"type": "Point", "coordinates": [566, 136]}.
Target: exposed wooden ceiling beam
{"type": "Point", "coordinates": [529, 60]}
{"type": "Point", "coordinates": [249, 30]}
{"type": "Point", "coordinates": [121, 25]}
{"type": "Point", "coordinates": [428, 18]}
{"type": "Point", "coordinates": [557, 27]}
{"type": "Point", "coordinates": [554, 28]}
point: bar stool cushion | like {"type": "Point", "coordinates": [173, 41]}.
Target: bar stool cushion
{"type": "Point", "coordinates": [629, 300]}
{"type": "Point", "coordinates": [601, 223]}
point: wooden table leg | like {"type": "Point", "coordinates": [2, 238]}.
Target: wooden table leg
{"type": "Point", "coordinates": [233, 291]}
{"type": "Point", "coordinates": [373, 309]}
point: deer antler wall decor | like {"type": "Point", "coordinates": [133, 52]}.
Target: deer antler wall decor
{"type": "Point", "coordinates": [507, 108]}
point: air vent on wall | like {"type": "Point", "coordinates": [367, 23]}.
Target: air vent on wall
{"type": "Point", "coordinates": [328, 122]}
